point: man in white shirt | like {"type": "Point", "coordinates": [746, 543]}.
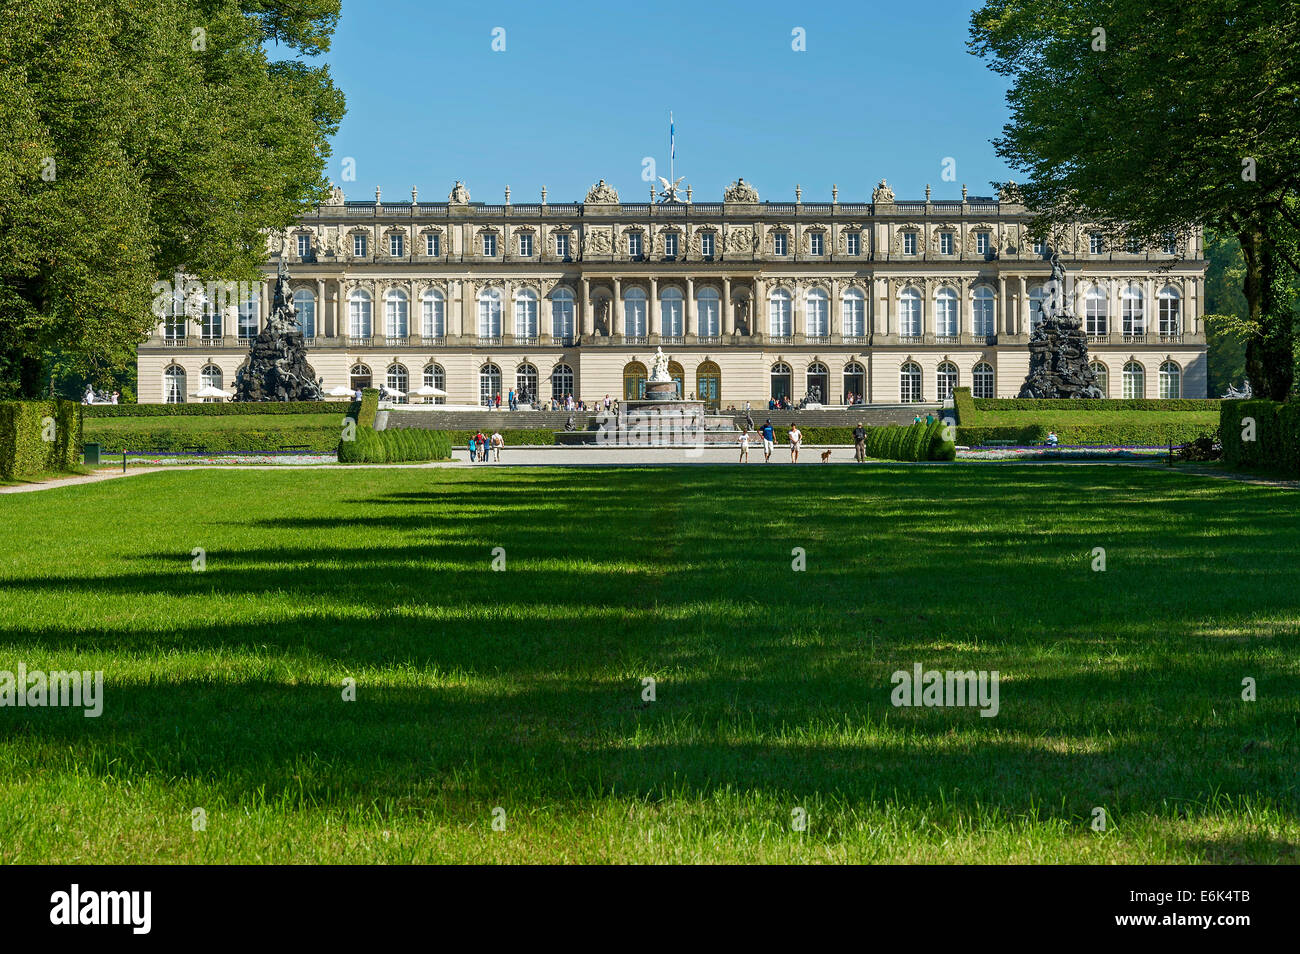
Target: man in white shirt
{"type": "Point", "coordinates": [796, 438]}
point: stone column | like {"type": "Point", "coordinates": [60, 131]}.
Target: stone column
{"type": "Point", "coordinates": [653, 325]}
{"type": "Point", "coordinates": [321, 330]}
{"type": "Point", "coordinates": [999, 316]}
{"type": "Point", "coordinates": [798, 314]}
{"type": "Point", "coordinates": [688, 322]}
{"type": "Point", "coordinates": [508, 329]}
{"type": "Point", "coordinates": [412, 309]}
{"type": "Point", "coordinates": [584, 309]}
{"type": "Point", "coordinates": [728, 316]}
{"type": "Point", "coordinates": [1022, 317]}
{"type": "Point", "coordinates": [616, 309]}
{"type": "Point", "coordinates": [1150, 313]}
{"type": "Point", "coordinates": [758, 318]}
{"type": "Point", "coordinates": [836, 318]}
{"type": "Point", "coordinates": [468, 318]}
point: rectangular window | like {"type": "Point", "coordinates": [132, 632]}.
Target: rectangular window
{"type": "Point", "coordinates": [817, 243]}
{"type": "Point", "coordinates": [359, 246]}
{"type": "Point", "coordinates": [397, 245]}
{"type": "Point", "coordinates": [670, 244]}
{"type": "Point", "coordinates": [634, 244]}
{"type": "Point", "coordinates": [945, 243]}
{"type": "Point", "coordinates": [526, 244]}
{"type": "Point", "coordinates": [1096, 243]}
{"type": "Point", "coordinates": [1171, 245]}
{"type": "Point", "coordinates": [909, 243]}
{"type": "Point", "coordinates": [562, 246]}
{"type": "Point", "coordinates": [1040, 247]}
{"type": "Point", "coordinates": [489, 245]}
{"type": "Point", "coordinates": [981, 243]}
{"type": "Point", "coordinates": [854, 243]}
{"type": "Point", "coordinates": [1132, 247]}
{"type": "Point", "coordinates": [432, 244]}
{"type": "Point", "coordinates": [779, 243]}
{"type": "Point", "coordinates": [304, 246]}
{"type": "Point", "coordinates": [706, 244]}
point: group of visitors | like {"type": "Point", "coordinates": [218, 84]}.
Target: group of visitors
{"type": "Point", "coordinates": [768, 436]}
{"type": "Point", "coordinates": [99, 397]}
{"type": "Point", "coordinates": [480, 446]}
{"type": "Point", "coordinates": [781, 403]}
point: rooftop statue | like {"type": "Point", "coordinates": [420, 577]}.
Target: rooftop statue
{"type": "Point", "coordinates": [602, 194]}
{"type": "Point", "coordinates": [740, 191]}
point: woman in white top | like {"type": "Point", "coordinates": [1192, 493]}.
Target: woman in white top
{"type": "Point", "coordinates": [796, 438]}
{"type": "Point", "coordinates": [744, 446]}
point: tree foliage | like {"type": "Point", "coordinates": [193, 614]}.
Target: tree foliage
{"type": "Point", "coordinates": [143, 137]}
{"type": "Point", "coordinates": [1162, 117]}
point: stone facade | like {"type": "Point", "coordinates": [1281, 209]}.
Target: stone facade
{"type": "Point", "coordinates": [734, 291]}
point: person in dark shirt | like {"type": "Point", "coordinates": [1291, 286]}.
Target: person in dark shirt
{"type": "Point", "coordinates": [859, 443]}
{"type": "Point", "coordinates": [769, 437]}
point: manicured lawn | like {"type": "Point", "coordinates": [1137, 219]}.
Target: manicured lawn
{"type": "Point", "coordinates": [1061, 418]}
{"type": "Point", "coordinates": [523, 688]}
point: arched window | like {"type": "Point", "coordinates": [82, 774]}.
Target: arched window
{"type": "Point", "coordinates": [909, 382]}
{"type": "Point", "coordinates": [985, 317]}
{"type": "Point", "coordinates": [562, 314]}
{"type": "Point", "coordinates": [1135, 320]}
{"type": "Point", "coordinates": [634, 378]}
{"type": "Point", "coordinates": [359, 377]}
{"type": "Point", "coordinates": [854, 312]}
{"type": "Point", "coordinates": [210, 377]}
{"type": "Point", "coordinates": [489, 313]}
{"type": "Point", "coordinates": [1037, 295]}
{"type": "Point", "coordinates": [561, 381]}
{"type": "Point", "coordinates": [489, 382]}
{"type": "Point", "coordinates": [396, 314]}
{"type": "Point", "coordinates": [634, 314]}
{"type": "Point", "coordinates": [817, 377]}
{"type": "Point", "coordinates": [855, 383]}
{"type": "Point", "coordinates": [909, 313]}
{"type": "Point", "coordinates": [174, 385]}
{"type": "Point", "coordinates": [670, 312]}
{"type": "Point", "coordinates": [678, 376]}
{"type": "Point", "coordinates": [1171, 320]}
{"type": "Point", "coordinates": [359, 313]}
{"type": "Point", "coordinates": [304, 303]}
{"type": "Point", "coordinates": [1170, 381]}
{"type": "Point", "coordinates": [1135, 380]}
{"type": "Point", "coordinates": [781, 380]}
{"type": "Point", "coordinates": [946, 380]}
{"type": "Point", "coordinates": [433, 315]}
{"type": "Point", "coordinates": [778, 313]}
{"type": "Point", "coordinates": [526, 313]}
{"type": "Point", "coordinates": [708, 303]}
{"type": "Point", "coordinates": [397, 382]}
{"type": "Point", "coordinates": [525, 382]}
{"type": "Point", "coordinates": [982, 380]}
{"type": "Point", "coordinates": [945, 313]}
{"type": "Point", "coordinates": [1103, 376]}
{"type": "Point", "coordinates": [1096, 311]}
{"type": "Point", "coordinates": [817, 313]}
{"type": "Point", "coordinates": [436, 377]}
{"type": "Point", "coordinates": [708, 385]}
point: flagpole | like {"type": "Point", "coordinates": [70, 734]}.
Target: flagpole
{"type": "Point", "coordinates": [672, 150]}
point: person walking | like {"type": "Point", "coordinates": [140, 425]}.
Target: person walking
{"type": "Point", "coordinates": [796, 438]}
{"type": "Point", "coordinates": [744, 446]}
{"type": "Point", "coordinates": [481, 440]}
{"type": "Point", "coordinates": [859, 443]}
{"type": "Point", "coordinates": [510, 399]}
{"type": "Point", "coordinates": [769, 437]}
{"type": "Point", "coordinates": [497, 443]}
{"type": "Point", "coordinates": [473, 449]}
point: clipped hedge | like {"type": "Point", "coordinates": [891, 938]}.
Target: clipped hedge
{"type": "Point", "coordinates": [212, 410]}
{"type": "Point", "coordinates": [905, 442]}
{"type": "Point", "coordinates": [1275, 433]}
{"type": "Point", "coordinates": [365, 414]}
{"type": "Point", "coordinates": [247, 439]}
{"type": "Point", "coordinates": [1091, 404]}
{"type": "Point", "coordinates": [964, 405]}
{"type": "Point", "coordinates": [395, 446]}
{"type": "Point", "coordinates": [24, 450]}
{"type": "Point", "coordinates": [1119, 432]}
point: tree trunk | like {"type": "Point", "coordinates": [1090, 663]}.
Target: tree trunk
{"type": "Point", "coordinates": [1270, 358]}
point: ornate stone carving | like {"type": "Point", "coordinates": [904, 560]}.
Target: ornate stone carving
{"type": "Point", "coordinates": [740, 191]}
{"type": "Point", "coordinates": [660, 239]}
{"type": "Point", "coordinates": [843, 240]}
{"type": "Point", "coordinates": [602, 194]}
{"type": "Point", "coordinates": [598, 241]}
{"type": "Point", "coordinates": [740, 240]}
{"type": "Point", "coordinates": [935, 240]}
{"type": "Point", "coordinates": [805, 240]}
{"type": "Point", "coordinates": [335, 197]}
{"type": "Point", "coordinates": [459, 195]}
{"type": "Point", "coordinates": [277, 368]}
{"type": "Point", "coordinates": [882, 193]}
{"type": "Point", "coordinates": [897, 246]}
{"type": "Point", "coordinates": [1058, 348]}
{"type": "Point", "coordinates": [1010, 192]}
{"type": "Point", "coordinates": [971, 239]}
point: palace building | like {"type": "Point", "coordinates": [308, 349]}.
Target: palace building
{"type": "Point", "coordinates": [894, 301]}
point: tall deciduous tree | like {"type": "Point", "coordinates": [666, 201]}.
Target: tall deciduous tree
{"type": "Point", "coordinates": [1158, 117]}
{"type": "Point", "coordinates": [143, 137]}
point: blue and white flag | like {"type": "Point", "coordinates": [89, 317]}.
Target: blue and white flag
{"type": "Point", "coordinates": [672, 141]}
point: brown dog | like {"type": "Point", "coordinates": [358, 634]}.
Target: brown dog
{"type": "Point", "coordinates": [826, 457]}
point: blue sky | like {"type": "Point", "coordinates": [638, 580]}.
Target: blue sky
{"type": "Point", "coordinates": [582, 91]}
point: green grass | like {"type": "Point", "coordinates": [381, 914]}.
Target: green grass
{"type": "Point", "coordinates": [104, 429]}
{"type": "Point", "coordinates": [1060, 419]}
{"type": "Point", "coordinates": [522, 688]}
